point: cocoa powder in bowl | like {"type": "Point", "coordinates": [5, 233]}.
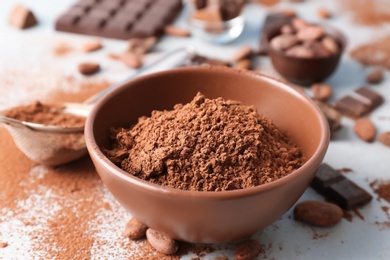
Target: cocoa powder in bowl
{"type": "Point", "coordinates": [197, 216]}
{"type": "Point", "coordinates": [205, 145]}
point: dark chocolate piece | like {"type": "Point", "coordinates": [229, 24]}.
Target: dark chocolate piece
{"type": "Point", "coordinates": [339, 189]}
{"type": "Point", "coordinates": [332, 116]}
{"type": "Point", "coordinates": [359, 102]}
{"type": "Point", "coordinates": [21, 17]}
{"type": "Point", "coordinates": [272, 20]}
{"type": "Point", "coordinates": [120, 19]}
{"type": "Point", "coordinates": [347, 194]}
{"type": "Point", "coordinates": [325, 176]}
{"type": "Point", "coordinates": [199, 4]}
{"type": "Point", "coordinates": [372, 98]}
{"type": "Point", "coordinates": [230, 9]}
{"type": "Point", "coordinates": [351, 107]}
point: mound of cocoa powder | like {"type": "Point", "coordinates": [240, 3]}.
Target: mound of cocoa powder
{"type": "Point", "coordinates": [205, 145]}
{"type": "Point", "coordinates": [44, 114]}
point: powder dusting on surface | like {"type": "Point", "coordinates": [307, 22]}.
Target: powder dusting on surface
{"type": "Point", "coordinates": [368, 12]}
{"type": "Point", "coordinates": [373, 53]}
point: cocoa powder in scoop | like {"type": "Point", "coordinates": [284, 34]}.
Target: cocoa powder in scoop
{"type": "Point", "coordinates": [205, 145]}
{"type": "Point", "coordinates": [44, 114]}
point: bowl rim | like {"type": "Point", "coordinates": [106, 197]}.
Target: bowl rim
{"type": "Point", "coordinates": [96, 152]}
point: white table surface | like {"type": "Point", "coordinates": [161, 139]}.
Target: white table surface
{"type": "Point", "coordinates": [359, 239]}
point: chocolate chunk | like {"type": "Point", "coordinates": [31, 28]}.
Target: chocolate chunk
{"type": "Point", "coordinates": [351, 106]}
{"type": "Point", "coordinates": [332, 115]}
{"type": "Point", "coordinates": [369, 96]}
{"type": "Point", "coordinates": [231, 8]}
{"type": "Point", "coordinates": [21, 17]}
{"type": "Point", "coordinates": [347, 194]}
{"type": "Point", "coordinates": [325, 176]}
{"type": "Point", "coordinates": [339, 189]}
{"type": "Point", "coordinates": [119, 19]}
{"type": "Point", "coordinates": [359, 102]}
{"type": "Point", "coordinates": [199, 4]}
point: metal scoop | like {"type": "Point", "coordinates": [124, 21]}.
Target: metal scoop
{"type": "Point", "coordinates": [55, 145]}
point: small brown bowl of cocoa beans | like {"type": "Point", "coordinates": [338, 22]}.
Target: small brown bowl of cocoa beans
{"type": "Point", "coordinates": [305, 53]}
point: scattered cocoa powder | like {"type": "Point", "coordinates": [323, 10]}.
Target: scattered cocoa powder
{"type": "Point", "coordinates": [382, 189]}
{"type": "Point", "coordinates": [45, 114]}
{"type": "Point", "coordinates": [373, 53]}
{"type": "Point", "coordinates": [368, 12]}
{"type": "Point", "coordinates": [194, 147]}
{"type": "Point", "coordinates": [54, 206]}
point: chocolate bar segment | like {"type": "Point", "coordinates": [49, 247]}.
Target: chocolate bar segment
{"type": "Point", "coordinates": [351, 107]}
{"type": "Point", "coordinates": [371, 97]}
{"type": "Point", "coordinates": [339, 189]}
{"type": "Point", "coordinates": [120, 19]}
{"type": "Point", "coordinates": [325, 176]}
{"type": "Point", "coordinates": [347, 194]}
{"type": "Point", "coordinates": [359, 102]}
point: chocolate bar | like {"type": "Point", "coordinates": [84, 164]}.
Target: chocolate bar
{"type": "Point", "coordinates": [359, 102]}
{"type": "Point", "coordinates": [339, 189]}
{"type": "Point", "coordinates": [119, 19]}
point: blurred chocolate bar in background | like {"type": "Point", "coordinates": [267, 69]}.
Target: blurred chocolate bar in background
{"type": "Point", "coordinates": [119, 19]}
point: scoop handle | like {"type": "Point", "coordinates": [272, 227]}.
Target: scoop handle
{"type": "Point", "coordinates": [12, 122]}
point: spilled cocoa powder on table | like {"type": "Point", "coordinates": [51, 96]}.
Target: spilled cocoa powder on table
{"type": "Point", "coordinates": [64, 212]}
{"type": "Point", "coordinates": [368, 12]}
{"type": "Point", "coordinates": [205, 145]}
{"type": "Point", "coordinates": [374, 53]}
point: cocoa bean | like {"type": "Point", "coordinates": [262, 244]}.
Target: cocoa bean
{"type": "Point", "coordinates": [88, 68]}
{"type": "Point", "coordinates": [318, 213]}
{"type": "Point", "coordinates": [135, 229]}
{"type": "Point", "coordinates": [161, 243]}
{"type": "Point", "coordinates": [365, 129]}
{"type": "Point", "coordinates": [247, 250]}
{"type": "Point", "coordinates": [283, 42]}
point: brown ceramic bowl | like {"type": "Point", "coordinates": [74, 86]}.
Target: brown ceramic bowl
{"type": "Point", "coordinates": [305, 71]}
{"type": "Point", "coordinates": [207, 217]}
